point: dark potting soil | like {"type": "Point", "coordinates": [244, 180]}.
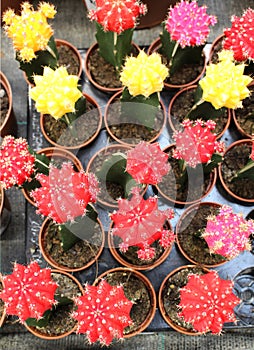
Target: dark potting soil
{"type": "Point", "coordinates": [61, 321]}
{"type": "Point", "coordinates": [171, 295]}
{"type": "Point", "coordinates": [234, 160]}
{"type": "Point", "coordinates": [84, 128]}
{"type": "Point", "coordinates": [79, 254]}
{"type": "Point", "coordinates": [196, 185]}
{"type": "Point", "coordinates": [245, 115]}
{"type": "Point", "coordinates": [69, 59]}
{"type": "Point", "coordinates": [189, 236]}
{"type": "Point", "coordinates": [182, 106]}
{"type": "Point", "coordinates": [136, 291]}
{"type": "Point", "coordinates": [4, 104]}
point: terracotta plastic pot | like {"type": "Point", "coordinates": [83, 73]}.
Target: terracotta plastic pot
{"type": "Point", "coordinates": [9, 125]}
{"type": "Point", "coordinates": [155, 46]}
{"type": "Point", "coordinates": [54, 263]}
{"type": "Point", "coordinates": [168, 198]}
{"type": "Point", "coordinates": [174, 121]}
{"type": "Point", "coordinates": [142, 267]}
{"type": "Point", "coordinates": [217, 46]}
{"type": "Point", "coordinates": [96, 106]}
{"type": "Point", "coordinates": [161, 296]}
{"type": "Point", "coordinates": [150, 289]}
{"type": "Point", "coordinates": [35, 331]}
{"type": "Point", "coordinates": [104, 198]}
{"type": "Point", "coordinates": [228, 191]}
{"type": "Point", "coordinates": [183, 242]}
{"type": "Point", "coordinates": [3, 314]}
{"type": "Point", "coordinates": [5, 211]}
{"type": "Point", "coordinates": [131, 140]}
{"type": "Point", "coordinates": [55, 153]}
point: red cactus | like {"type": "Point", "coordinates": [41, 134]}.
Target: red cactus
{"type": "Point", "coordinates": [239, 38]}
{"type": "Point", "coordinates": [147, 163]}
{"type": "Point", "coordinates": [117, 15]}
{"type": "Point", "coordinates": [227, 233]}
{"type": "Point", "coordinates": [103, 312]}
{"type": "Point", "coordinates": [28, 291]}
{"type": "Point", "coordinates": [16, 162]}
{"type": "Point", "coordinates": [207, 302]}
{"type": "Point", "coordinates": [139, 223]}
{"type": "Point", "coordinates": [196, 143]}
{"type": "Point", "coordinates": [188, 24]}
{"type": "Point", "coordinates": [64, 194]}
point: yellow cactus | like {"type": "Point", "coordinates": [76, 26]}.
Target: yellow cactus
{"type": "Point", "coordinates": [144, 75]}
{"type": "Point", "coordinates": [55, 92]}
{"type": "Point", "coordinates": [225, 84]}
{"type": "Point", "coordinates": [30, 32]}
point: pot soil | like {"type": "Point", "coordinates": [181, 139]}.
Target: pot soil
{"type": "Point", "coordinates": [61, 323]}
{"type": "Point", "coordinates": [4, 104]}
{"type": "Point", "coordinates": [69, 57]}
{"type": "Point", "coordinates": [188, 238]}
{"type": "Point", "coordinates": [169, 297]}
{"type": "Point", "coordinates": [8, 123]}
{"type": "Point", "coordinates": [80, 256]}
{"type": "Point", "coordinates": [235, 158]}
{"type": "Point", "coordinates": [138, 289]}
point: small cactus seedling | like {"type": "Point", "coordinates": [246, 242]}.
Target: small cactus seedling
{"type": "Point", "coordinates": [103, 312]}
{"type": "Point", "coordinates": [139, 222]}
{"type": "Point", "coordinates": [227, 234]}
{"type": "Point", "coordinates": [239, 38]}
{"type": "Point", "coordinates": [116, 21]}
{"type": "Point", "coordinates": [207, 302]}
{"type": "Point", "coordinates": [29, 291]}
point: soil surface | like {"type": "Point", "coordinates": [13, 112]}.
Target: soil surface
{"type": "Point", "coordinates": [69, 59]}
{"type": "Point", "coordinates": [245, 115]}
{"type": "Point", "coordinates": [4, 104]}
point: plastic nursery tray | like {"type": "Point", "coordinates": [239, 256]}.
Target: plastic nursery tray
{"type": "Point", "coordinates": [241, 269]}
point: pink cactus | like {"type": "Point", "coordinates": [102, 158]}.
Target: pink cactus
{"type": "Point", "coordinates": [117, 15]}
{"type": "Point", "coordinates": [28, 291]}
{"type": "Point", "coordinates": [196, 143]}
{"type": "Point", "coordinates": [147, 163]}
{"type": "Point", "coordinates": [16, 162]}
{"type": "Point", "coordinates": [239, 38]}
{"type": "Point", "coordinates": [188, 24]}
{"type": "Point", "coordinates": [64, 194]}
{"type": "Point", "coordinates": [103, 312]}
{"type": "Point", "coordinates": [207, 302]}
{"type": "Point", "coordinates": [139, 222]}
{"type": "Point", "coordinates": [227, 234]}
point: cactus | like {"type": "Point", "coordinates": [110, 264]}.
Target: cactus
{"type": "Point", "coordinates": [139, 222]}
{"type": "Point", "coordinates": [228, 234]}
{"type": "Point", "coordinates": [103, 312]}
{"type": "Point", "coordinates": [207, 302]}
{"type": "Point", "coordinates": [115, 22]}
{"type": "Point", "coordinates": [239, 38]}
{"type": "Point", "coordinates": [28, 291]}
{"type": "Point", "coordinates": [147, 163]}
{"type": "Point", "coordinates": [37, 48]}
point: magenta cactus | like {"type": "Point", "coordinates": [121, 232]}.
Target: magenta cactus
{"type": "Point", "coordinates": [227, 234]}
{"type": "Point", "coordinates": [207, 302]}
{"type": "Point", "coordinates": [188, 24]}
{"type": "Point", "coordinates": [239, 38]}
{"type": "Point", "coordinates": [28, 291]}
{"type": "Point", "coordinates": [139, 222]}
{"type": "Point", "coordinates": [117, 16]}
{"type": "Point", "coordinates": [64, 194]}
{"type": "Point", "coordinates": [103, 312]}
{"type": "Point", "coordinates": [16, 162]}
{"type": "Point", "coordinates": [147, 163]}
{"type": "Point", "coordinates": [196, 143]}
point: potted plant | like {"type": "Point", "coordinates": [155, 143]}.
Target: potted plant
{"type": "Point", "coordinates": [210, 234]}
{"type": "Point", "coordinates": [194, 158]}
{"type": "Point", "coordinates": [72, 236]}
{"type": "Point", "coordinates": [223, 87]}
{"type": "Point", "coordinates": [37, 48]}
{"type": "Point", "coordinates": [115, 24]}
{"type": "Point", "coordinates": [8, 123]}
{"type": "Point", "coordinates": [65, 110]}
{"type": "Point", "coordinates": [137, 112]}
{"type": "Point", "coordinates": [236, 172]}
{"type": "Point", "coordinates": [42, 299]}
{"type": "Point", "coordinates": [194, 300]}
{"type": "Point", "coordinates": [181, 43]}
